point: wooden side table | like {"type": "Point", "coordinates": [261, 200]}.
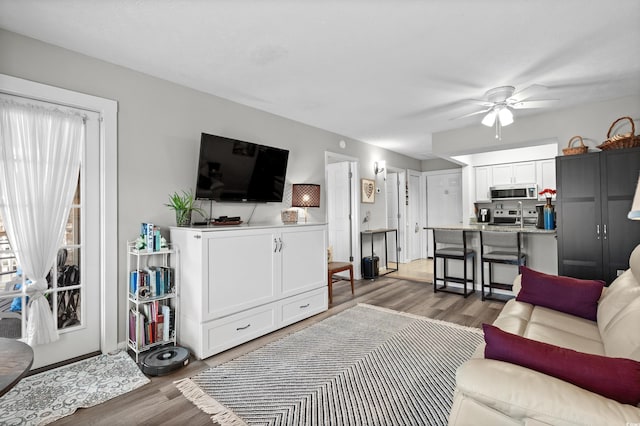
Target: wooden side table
{"type": "Point", "coordinates": [16, 358]}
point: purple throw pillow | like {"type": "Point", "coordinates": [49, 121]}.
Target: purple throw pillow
{"type": "Point", "coordinates": [565, 294]}
{"type": "Point", "coordinates": [614, 378]}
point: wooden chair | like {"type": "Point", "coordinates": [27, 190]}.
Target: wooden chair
{"type": "Point", "coordinates": [334, 268]}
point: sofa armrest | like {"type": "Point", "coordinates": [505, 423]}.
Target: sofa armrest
{"type": "Point", "coordinates": [521, 393]}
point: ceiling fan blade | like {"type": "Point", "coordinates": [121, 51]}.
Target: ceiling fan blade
{"type": "Point", "coordinates": [481, 102]}
{"type": "Point", "coordinates": [543, 103]}
{"type": "Point", "coordinates": [473, 113]}
{"type": "Point", "coordinates": [527, 92]}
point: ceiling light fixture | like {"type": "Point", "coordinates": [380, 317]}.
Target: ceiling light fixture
{"type": "Point", "coordinates": [501, 116]}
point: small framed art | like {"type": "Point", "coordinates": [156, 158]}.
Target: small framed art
{"type": "Point", "coordinates": [368, 191]}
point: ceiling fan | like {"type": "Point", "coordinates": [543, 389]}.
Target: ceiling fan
{"type": "Point", "coordinates": [500, 103]}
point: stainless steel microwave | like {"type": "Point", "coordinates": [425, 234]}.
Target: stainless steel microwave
{"type": "Point", "coordinates": [514, 192]}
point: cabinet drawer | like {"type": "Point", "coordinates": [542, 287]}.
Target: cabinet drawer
{"type": "Point", "coordinates": [299, 307]}
{"type": "Point", "coordinates": [234, 330]}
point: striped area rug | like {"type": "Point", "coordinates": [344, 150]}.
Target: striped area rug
{"type": "Point", "coordinates": [363, 366]}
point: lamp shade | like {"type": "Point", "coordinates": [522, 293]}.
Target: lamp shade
{"type": "Point", "coordinates": [305, 195]}
{"type": "Point", "coordinates": [490, 118]}
{"type": "Point", "coordinates": [505, 116]}
{"type": "Point", "coordinates": [634, 214]}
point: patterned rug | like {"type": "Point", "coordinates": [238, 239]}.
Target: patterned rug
{"type": "Point", "coordinates": [363, 366]}
{"type": "Point", "coordinates": [51, 395]}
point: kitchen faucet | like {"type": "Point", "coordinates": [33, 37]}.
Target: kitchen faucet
{"type": "Point", "coordinates": [521, 213]}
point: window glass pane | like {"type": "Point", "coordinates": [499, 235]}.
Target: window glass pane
{"type": "Point", "coordinates": [72, 229]}
{"type": "Point", "coordinates": [68, 308]}
{"type": "Point", "coordinates": [68, 274]}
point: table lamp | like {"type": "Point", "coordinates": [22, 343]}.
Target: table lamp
{"type": "Point", "coordinates": [305, 195]}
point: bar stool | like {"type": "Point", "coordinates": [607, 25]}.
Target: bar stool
{"type": "Point", "coordinates": [503, 248]}
{"type": "Point", "coordinates": [453, 247]}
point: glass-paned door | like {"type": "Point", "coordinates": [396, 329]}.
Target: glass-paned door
{"type": "Point", "coordinates": [74, 280]}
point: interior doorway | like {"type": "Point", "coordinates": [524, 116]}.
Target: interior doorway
{"type": "Point", "coordinates": [341, 179]}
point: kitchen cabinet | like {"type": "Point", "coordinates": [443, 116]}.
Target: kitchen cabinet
{"type": "Point", "coordinates": [546, 176]}
{"type": "Point", "coordinates": [595, 192]}
{"type": "Point", "coordinates": [541, 172]}
{"type": "Point", "coordinates": [243, 282]}
{"type": "Point", "coordinates": [514, 173]}
{"type": "Point", "coordinates": [484, 177]}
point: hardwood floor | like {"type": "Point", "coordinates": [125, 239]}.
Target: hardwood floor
{"type": "Point", "coordinates": [160, 403]}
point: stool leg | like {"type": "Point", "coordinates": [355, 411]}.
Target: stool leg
{"type": "Point", "coordinates": [351, 278]}
{"type": "Point", "coordinates": [482, 277]}
{"type": "Point", "coordinates": [435, 276]}
{"type": "Point", "coordinates": [466, 280]}
{"type": "Point", "coordinates": [330, 281]}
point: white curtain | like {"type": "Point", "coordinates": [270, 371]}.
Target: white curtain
{"type": "Point", "coordinates": [40, 152]}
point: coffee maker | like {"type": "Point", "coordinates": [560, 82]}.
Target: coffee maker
{"type": "Point", "coordinates": [540, 216]}
{"type": "Point", "coordinates": [484, 215]}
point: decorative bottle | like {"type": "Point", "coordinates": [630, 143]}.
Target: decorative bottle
{"type": "Point", "coordinates": [549, 222]}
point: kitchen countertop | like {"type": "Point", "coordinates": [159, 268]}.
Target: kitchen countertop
{"type": "Point", "coordinates": [486, 227]}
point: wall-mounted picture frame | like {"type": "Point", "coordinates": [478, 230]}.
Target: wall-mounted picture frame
{"type": "Point", "coordinates": [368, 190]}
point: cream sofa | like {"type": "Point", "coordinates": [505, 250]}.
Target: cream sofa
{"type": "Point", "coordinates": [490, 392]}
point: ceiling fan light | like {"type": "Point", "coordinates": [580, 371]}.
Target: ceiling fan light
{"type": "Point", "coordinates": [490, 118]}
{"type": "Point", "coordinates": [505, 116]}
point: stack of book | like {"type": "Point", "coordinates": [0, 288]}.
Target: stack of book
{"type": "Point", "coordinates": [152, 323]}
{"type": "Point", "coordinates": [158, 280]}
{"type": "Point", "coordinates": [150, 234]}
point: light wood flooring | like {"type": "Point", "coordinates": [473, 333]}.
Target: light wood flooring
{"type": "Point", "coordinates": [160, 403]}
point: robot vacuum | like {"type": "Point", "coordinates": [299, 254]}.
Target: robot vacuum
{"type": "Point", "coordinates": [164, 360]}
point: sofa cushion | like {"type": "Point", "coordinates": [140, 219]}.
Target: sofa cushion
{"type": "Point", "coordinates": [571, 295]}
{"type": "Point", "coordinates": [618, 295]}
{"type": "Point", "coordinates": [621, 337]}
{"type": "Point", "coordinates": [566, 322]}
{"type": "Point", "coordinates": [564, 339]}
{"type": "Point", "coordinates": [634, 262]}
{"type": "Point", "coordinates": [614, 378]}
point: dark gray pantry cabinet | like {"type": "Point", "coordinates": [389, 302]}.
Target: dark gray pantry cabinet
{"type": "Point", "coordinates": [595, 192]}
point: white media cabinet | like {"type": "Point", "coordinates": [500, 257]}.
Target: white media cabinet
{"type": "Point", "coordinates": [241, 282]}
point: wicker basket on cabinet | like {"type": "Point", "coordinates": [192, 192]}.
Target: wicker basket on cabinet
{"type": "Point", "coordinates": [573, 150]}
{"type": "Point", "coordinates": [619, 141]}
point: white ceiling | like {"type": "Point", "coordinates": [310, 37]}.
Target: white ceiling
{"type": "Point", "coordinates": [386, 72]}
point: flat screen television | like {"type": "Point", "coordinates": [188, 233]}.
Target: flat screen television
{"type": "Point", "coordinates": [239, 171]}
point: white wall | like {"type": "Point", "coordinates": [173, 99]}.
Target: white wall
{"type": "Point", "coordinates": [159, 126]}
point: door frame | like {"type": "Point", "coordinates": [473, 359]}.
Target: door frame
{"type": "Point", "coordinates": [108, 110]}
{"type": "Point", "coordinates": [334, 157]}
{"type": "Point", "coordinates": [416, 198]}
{"type": "Point", "coordinates": [402, 209]}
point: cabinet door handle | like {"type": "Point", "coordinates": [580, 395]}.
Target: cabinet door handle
{"type": "Point", "coordinates": [598, 231]}
{"type": "Point", "coordinates": [604, 231]}
{"type": "Point", "coordinates": [305, 306]}
{"type": "Point", "coordinates": [275, 245]}
{"type": "Point", "coordinates": [243, 328]}
{"type": "Point", "coordinates": [280, 249]}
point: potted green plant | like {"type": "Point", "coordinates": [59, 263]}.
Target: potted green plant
{"type": "Point", "coordinates": [184, 206]}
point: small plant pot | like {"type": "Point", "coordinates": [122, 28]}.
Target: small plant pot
{"type": "Point", "coordinates": [183, 218]}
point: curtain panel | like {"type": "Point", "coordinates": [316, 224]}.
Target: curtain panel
{"type": "Point", "coordinates": [40, 155]}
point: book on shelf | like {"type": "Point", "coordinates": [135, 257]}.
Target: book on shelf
{"type": "Point", "coordinates": [167, 314]}
{"type": "Point", "coordinates": [167, 278]}
{"type": "Point", "coordinates": [148, 235]}
{"type": "Point", "coordinates": [151, 237]}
